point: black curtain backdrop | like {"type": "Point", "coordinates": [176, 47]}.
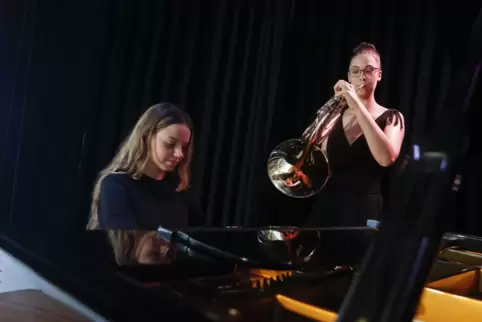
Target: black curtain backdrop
{"type": "Point", "coordinates": [76, 76]}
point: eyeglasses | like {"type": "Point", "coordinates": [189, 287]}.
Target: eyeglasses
{"type": "Point", "coordinates": [356, 71]}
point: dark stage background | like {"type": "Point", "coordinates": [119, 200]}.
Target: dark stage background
{"type": "Point", "coordinates": [76, 75]}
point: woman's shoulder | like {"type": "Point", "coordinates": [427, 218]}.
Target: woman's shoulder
{"type": "Point", "coordinates": [391, 116]}
{"type": "Point", "coordinates": [113, 179]}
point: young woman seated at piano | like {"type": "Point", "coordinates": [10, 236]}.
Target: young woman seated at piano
{"type": "Point", "coordinates": [145, 184]}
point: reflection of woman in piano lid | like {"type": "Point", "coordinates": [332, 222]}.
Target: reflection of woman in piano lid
{"type": "Point", "coordinates": [139, 247]}
{"type": "Point", "coordinates": [365, 140]}
{"type": "Point", "coordinates": [145, 184]}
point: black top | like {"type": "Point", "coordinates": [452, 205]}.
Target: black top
{"type": "Point", "coordinates": [352, 194]}
{"type": "Point", "coordinates": [144, 203]}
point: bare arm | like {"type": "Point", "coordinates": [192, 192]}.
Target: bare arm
{"type": "Point", "coordinates": [384, 144]}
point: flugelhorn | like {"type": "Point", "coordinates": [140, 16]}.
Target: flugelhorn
{"type": "Point", "coordinates": [298, 167]}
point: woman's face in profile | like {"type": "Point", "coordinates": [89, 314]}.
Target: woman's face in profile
{"type": "Point", "coordinates": [168, 146]}
{"type": "Point", "coordinates": [151, 249]}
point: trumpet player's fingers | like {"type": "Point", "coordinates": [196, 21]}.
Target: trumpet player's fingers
{"type": "Point", "coordinates": [338, 89]}
{"type": "Point", "coordinates": [342, 85]}
{"type": "Point", "coordinates": [344, 89]}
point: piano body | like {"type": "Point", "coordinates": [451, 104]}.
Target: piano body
{"type": "Point", "coordinates": [226, 275]}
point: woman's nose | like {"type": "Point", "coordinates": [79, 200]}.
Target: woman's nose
{"type": "Point", "coordinates": [178, 153]}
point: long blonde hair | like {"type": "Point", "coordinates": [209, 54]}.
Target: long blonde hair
{"type": "Point", "coordinates": [134, 152]}
{"type": "Point", "coordinates": [124, 244]}
{"type": "Point", "coordinates": [127, 245]}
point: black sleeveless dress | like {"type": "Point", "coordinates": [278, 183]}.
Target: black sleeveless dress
{"type": "Point", "coordinates": [353, 193]}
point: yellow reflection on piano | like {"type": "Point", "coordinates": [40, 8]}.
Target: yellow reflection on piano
{"type": "Point", "coordinates": [306, 310]}
{"type": "Point", "coordinates": [455, 298]}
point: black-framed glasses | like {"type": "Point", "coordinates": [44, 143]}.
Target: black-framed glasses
{"type": "Point", "coordinates": [368, 70]}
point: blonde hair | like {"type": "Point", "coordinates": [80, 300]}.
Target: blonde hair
{"type": "Point", "coordinates": [124, 244]}
{"type": "Point", "coordinates": [134, 152]}
{"type": "Point", "coordinates": [127, 244]}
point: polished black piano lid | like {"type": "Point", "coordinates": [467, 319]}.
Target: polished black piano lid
{"type": "Point", "coordinates": [83, 265]}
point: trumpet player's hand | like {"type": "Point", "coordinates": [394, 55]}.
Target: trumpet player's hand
{"type": "Point", "coordinates": [346, 90]}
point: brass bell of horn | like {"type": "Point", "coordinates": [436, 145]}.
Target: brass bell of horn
{"type": "Point", "coordinates": [298, 167]}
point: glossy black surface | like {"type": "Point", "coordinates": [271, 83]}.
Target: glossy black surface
{"type": "Point", "coordinates": [467, 242]}
{"type": "Point", "coordinates": [191, 287]}
{"type": "Point", "coordinates": [206, 288]}
{"type": "Point", "coordinates": [82, 266]}
{"type": "Point", "coordinates": [335, 246]}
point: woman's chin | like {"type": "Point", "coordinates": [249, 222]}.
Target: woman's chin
{"type": "Point", "coordinates": [169, 167]}
{"type": "Point", "coordinates": [363, 93]}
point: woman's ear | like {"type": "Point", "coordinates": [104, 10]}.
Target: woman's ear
{"type": "Point", "coordinates": [379, 75]}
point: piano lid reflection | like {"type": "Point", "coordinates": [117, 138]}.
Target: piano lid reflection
{"type": "Point", "coordinates": [259, 287]}
{"type": "Point", "coordinates": [221, 276]}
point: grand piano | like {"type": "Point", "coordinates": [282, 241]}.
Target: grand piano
{"type": "Point", "coordinates": [236, 275]}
